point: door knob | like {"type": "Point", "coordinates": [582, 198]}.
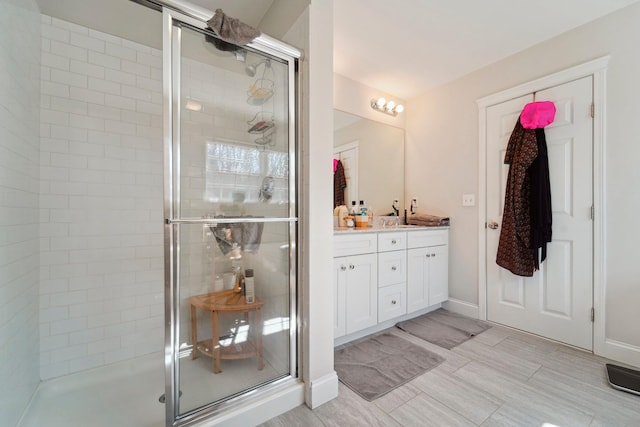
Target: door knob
{"type": "Point", "coordinates": [493, 225]}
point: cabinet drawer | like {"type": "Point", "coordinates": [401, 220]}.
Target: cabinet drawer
{"type": "Point", "coordinates": [392, 302]}
{"type": "Point", "coordinates": [354, 244]}
{"type": "Point", "coordinates": [392, 241]}
{"type": "Point", "coordinates": [392, 268]}
{"type": "Point", "coordinates": [418, 239]}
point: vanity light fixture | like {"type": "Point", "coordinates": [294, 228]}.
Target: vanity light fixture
{"type": "Point", "coordinates": [387, 107]}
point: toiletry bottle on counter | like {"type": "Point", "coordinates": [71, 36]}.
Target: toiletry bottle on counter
{"type": "Point", "coordinates": [354, 211]}
{"type": "Point", "coordinates": [341, 213]}
{"type": "Point", "coordinates": [249, 286]}
{"type": "Point", "coordinates": [363, 208]}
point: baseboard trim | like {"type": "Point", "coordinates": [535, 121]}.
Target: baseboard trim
{"type": "Point", "coordinates": [383, 325]}
{"type": "Point", "coordinates": [260, 410]}
{"type": "Point", "coordinates": [462, 307]}
{"type": "Point", "coordinates": [621, 352]}
{"type": "Point", "coordinates": [322, 390]}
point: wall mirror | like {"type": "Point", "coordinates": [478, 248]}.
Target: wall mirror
{"type": "Point", "coordinates": [372, 154]}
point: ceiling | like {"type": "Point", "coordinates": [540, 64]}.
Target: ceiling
{"type": "Point", "coordinates": [410, 46]}
{"type": "Point", "coordinates": [402, 48]}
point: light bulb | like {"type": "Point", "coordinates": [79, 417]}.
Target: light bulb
{"type": "Point", "coordinates": [390, 105]}
{"type": "Point", "coordinates": [399, 108]}
{"type": "Point", "coordinates": [380, 102]}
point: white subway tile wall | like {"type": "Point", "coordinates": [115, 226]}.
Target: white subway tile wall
{"type": "Point", "coordinates": [101, 235]}
{"type": "Point", "coordinates": [19, 216]}
{"type": "Point", "coordinates": [101, 292]}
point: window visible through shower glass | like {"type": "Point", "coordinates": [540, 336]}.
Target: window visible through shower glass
{"type": "Point", "coordinates": [233, 163]}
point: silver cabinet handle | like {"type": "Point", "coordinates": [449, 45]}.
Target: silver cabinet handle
{"type": "Point", "coordinates": [393, 242]}
{"type": "Point", "coordinates": [433, 255]}
{"type": "Point", "coordinates": [343, 267]}
{"type": "Point", "coordinates": [428, 255]}
{"type": "Point", "coordinates": [393, 302]}
{"type": "Point", "coordinates": [493, 225]}
{"type": "Point", "coordinates": [351, 266]}
{"type": "Point", "coordinates": [394, 268]}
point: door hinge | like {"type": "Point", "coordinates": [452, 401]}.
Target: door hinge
{"type": "Point", "coordinates": [593, 212]}
{"type": "Point", "coordinates": [593, 314]}
{"type": "Point", "coordinates": [593, 110]}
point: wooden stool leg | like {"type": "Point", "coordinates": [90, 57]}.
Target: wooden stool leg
{"type": "Point", "coordinates": [215, 343]}
{"type": "Point", "coordinates": [258, 325]}
{"type": "Point", "coordinates": [194, 332]}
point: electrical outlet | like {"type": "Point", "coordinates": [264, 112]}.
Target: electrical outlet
{"type": "Point", "coordinates": [468, 200]}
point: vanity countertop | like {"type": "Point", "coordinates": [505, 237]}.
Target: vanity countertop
{"type": "Point", "coordinates": [348, 230]}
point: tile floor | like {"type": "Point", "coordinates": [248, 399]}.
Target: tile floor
{"type": "Point", "coordinates": [501, 377]}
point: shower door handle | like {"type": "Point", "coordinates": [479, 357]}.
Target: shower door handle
{"type": "Point", "coordinates": [493, 225]}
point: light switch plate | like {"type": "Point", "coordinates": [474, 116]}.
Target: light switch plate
{"type": "Point", "coordinates": [468, 200]}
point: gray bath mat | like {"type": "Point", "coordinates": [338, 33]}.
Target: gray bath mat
{"type": "Point", "coordinates": [374, 366]}
{"type": "Point", "coordinates": [443, 328]}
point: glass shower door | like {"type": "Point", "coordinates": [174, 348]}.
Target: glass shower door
{"type": "Point", "coordinates": [231, 221]}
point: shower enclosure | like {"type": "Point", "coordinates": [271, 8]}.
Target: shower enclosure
{"type": "Point", "coordinates": [230, 218]}
{"type": "Point", "coordinates": [153, 279]}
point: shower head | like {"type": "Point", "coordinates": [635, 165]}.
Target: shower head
{"type": "Point", "coordinates": [252, 68]}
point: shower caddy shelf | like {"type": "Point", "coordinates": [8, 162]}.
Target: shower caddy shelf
{"type": "Point", "coordinates": [261, 91]}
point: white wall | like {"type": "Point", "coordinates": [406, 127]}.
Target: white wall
{"type": "Point", "coordinates": [101, 290]}
{"type": "Point", "coordinates": [19, 216]}
{"type": "Point", "coordinates": [442, 138]}
{"type": "Point", "coordinates": [316, 215]}
{"type": "Point", "coordinates": [354, 97]}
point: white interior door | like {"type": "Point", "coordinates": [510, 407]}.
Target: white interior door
{"type": "Point", "coordinates": [556, 302]}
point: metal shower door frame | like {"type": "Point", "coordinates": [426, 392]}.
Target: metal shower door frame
{"type": "Point", "coordinates": [171, 141]}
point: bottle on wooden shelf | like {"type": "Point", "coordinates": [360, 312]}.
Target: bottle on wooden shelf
{"type": "Point", "coordinates": [249, 286]}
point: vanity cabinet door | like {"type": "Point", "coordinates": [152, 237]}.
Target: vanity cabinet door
{"type": "Point", "coordinates": [427, 277]}
{"type": "Point", "coordinates": [356, 293]}
{"type": "Point", "coordinates": [361, 292]}
{"type": "Point", "coordinates": [438, 275]}
{"type": "Point", "coordinates": [418, 278]}
{"type": "Point", "coordinates": [340, 266]}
